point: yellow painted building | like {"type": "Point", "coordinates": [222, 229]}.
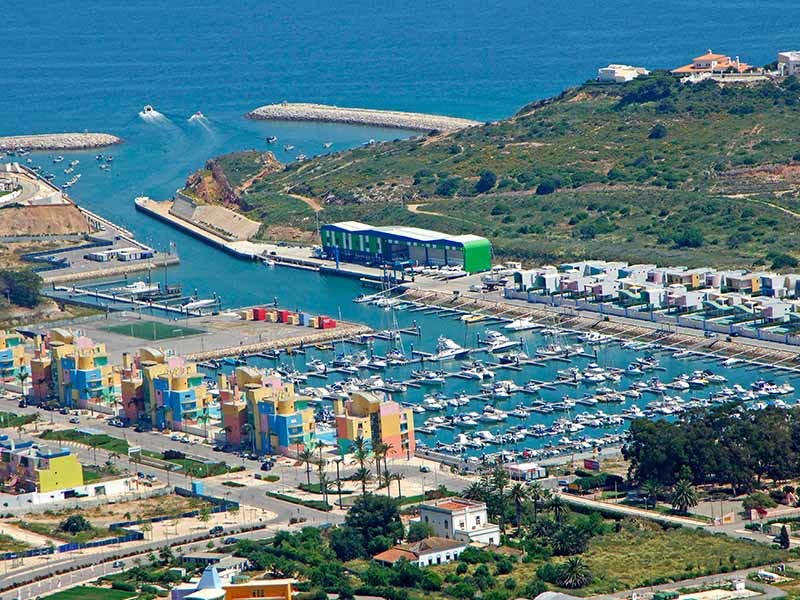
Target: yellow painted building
{"type": "Point", "coordinates": [270, 589]}
{"type": "Point", "coordinates": [376, 419]}
{"type": "Point", "coordinates": [32, 469]}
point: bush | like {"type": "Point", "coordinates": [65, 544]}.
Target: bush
{"type": "Point", "coordinates": [782, 261]}
{"type": "Point", "coordinates": [419, 531]}
{"type": "Point", "coordinates": [547, 186]}
{"type": "Point", "coordinates": [448, 187]}
{"type": "Point", "coordinates": [486, 182]}
{"type": "Point", "coordinates": [658, 132]}
{"type": "Point", "coordinates": [124, 586]}
{"type": "Point", "coordinates": [691, 237]}
{"type": "Point", "coordinates": [758, 500]}
{"type": "Point", "coordinates": [74, 524]}
{"type": "Point", "coordinates": [462, 568]}
{"type": "Point", "coordinates": [462, 590]}
{"type": "Point", "coordinates": [431, 581]}
{"type": "Point", "coordinates": [510, 583]}
{"type": "Point", "coordinates": [23, 287]}
{"type": "Point", "coordinates": [533, 588]}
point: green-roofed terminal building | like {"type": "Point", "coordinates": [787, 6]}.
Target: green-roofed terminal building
{"type": "Point", "coordinates": [350, 241]}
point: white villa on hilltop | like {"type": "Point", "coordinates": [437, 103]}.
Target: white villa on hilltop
{"type": "Point", "coordinates": [619, 73]}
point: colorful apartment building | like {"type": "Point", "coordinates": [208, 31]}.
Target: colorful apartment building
{"type": "Point", "coordinates": [263, 411]}
{"type": "Point", "coordinates": [29, 469]}
{"type": "Point", "coordinates": [165, 390]}
{"type": "Point", "coordinates": [13, 360]}
{"type": "Point", "coordinates": [376, 419]}
{"type": "Point", "coordinates": [80, 373]}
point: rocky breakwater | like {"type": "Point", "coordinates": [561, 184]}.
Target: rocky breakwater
{"type": "Point", "coordinates": [289, 111]}
{"type": "Point", "coordinates": [58, 141]}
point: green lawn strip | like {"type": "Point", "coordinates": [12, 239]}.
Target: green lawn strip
{"type": "Point", "coordinates": [314, 488]}
{"type": "Point", "coordinates": [103, 441]}
{"type": "Point", "coordinates": [316, 504]}
{"type": "Point", "coordinates": [152, 330]}
{"type": "Point", "coordinates": [85, 592]}
{"type": "Point", "coordinates": [10, 544]}
{"type": "Point", "coordinates": [11, 420]}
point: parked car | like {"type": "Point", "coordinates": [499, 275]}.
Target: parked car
{"type": "Point", "coordinates": [424, 469]}
{"type": "Point", "coordinates": [230, 540]}
{"type": "Point", "coordinates": [64, 411]}
{"type": "Point", "coordinates": [74, 420]}
{"type": "Point", "coordinates": [175, 437]}
{"type": "Point", "coordinates": [216, 530]}
{"type": "Point", "coordinates": [118, 564]}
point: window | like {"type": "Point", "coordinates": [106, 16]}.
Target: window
{"type": "Point", "coordinates": [426, 518]}
{"type": "Point", "coordinates": [258, 593]}
{"type": "Point", "coordinates": [461, 524]}
{"type": "Point", "coordinates": [446, 524]}
{"type": "Point", "coordinates": [478, 520]}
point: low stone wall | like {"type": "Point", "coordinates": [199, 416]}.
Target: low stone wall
{"type": "Point", "coordinates": [58, 141]}
{"type": "Point", "coordinates": [288, 111]}
{"type": "Point", "coordinates": [306, 336]}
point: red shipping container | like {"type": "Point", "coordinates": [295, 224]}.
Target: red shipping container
{"type": "Point", "coordinates": [283, 316]}
{"type": "Point", "coordinates": [259, 314]}
{"type": "Point", "coordinates": [328, 324]}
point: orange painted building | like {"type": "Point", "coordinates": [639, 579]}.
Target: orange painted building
{"type": "Point", "coordinates": [377, 419]}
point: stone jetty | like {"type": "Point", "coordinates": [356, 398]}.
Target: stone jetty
{"type": "Point", "coordinates": [58, 141]}
{"type": "Point", "coordinates": [291, 111]}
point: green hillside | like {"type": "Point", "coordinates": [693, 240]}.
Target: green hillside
{"type": "Point", "coordinates": [654, 170]}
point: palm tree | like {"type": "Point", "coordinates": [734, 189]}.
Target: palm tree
{"type": "Point", "coordinates": [22, 376]}
{"type": "Point", "coordinates": [558, 507]}
{"type": "Point", "coordinates": [683, 496]}
{"type": "Point", "coordinates": [306, 454]}
{"type": "Point", "coordinates": [518, 494]}
{"type": "Point", "coordinates": [574, 573]}
{"type": "Point", "coordinates": [380, 450]}
{"type": "Point", "coordinates": [204, 418]}
{"type": "Point", "coordinates": [398, 477]}
{"type": "Point", "coordinates": [475, 491]}
{"type": "Point", "coordinates": [538, 496]}
{"type": "Point", "coordinates": [651, 490]}
{"type": "Point", "coordinates": [363, 474]}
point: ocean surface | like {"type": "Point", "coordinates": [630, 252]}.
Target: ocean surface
{"type": "Point", "coordinates": [91, 65]}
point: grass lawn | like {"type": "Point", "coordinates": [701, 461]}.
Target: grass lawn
{"type": "Point", "coordinates": [11, 420]}
{"type": "Point", "coordinates": [106, 442]}
{"type": "Point", "coordinates": [9, 544]}
{"type": "Point", "coordinates": [639, 557]}
{"type": "Point", "coordinates": [152, 330]}
{"type": "Point", "coordinates": [199, 469]}
{"type": "Point", "coordinates": [85, 592]}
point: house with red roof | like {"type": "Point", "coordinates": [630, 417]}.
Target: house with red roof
{"type": "Point", "coordinates": [712, 63]}
{"type": "Point", "coordinates": [430, 551]}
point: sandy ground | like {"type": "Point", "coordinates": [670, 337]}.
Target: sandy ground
{"type": "Point", "coordinates": [719, 594]}
{"type": "Point", "coordinates": [175, 527]}
{"type": "Point", "coordinates": [34, 540]}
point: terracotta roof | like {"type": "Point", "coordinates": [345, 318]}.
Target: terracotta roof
{"type": "Point", "coordinates": [431, 544]}
{"type": "Point", "coordinates": [710, 56]}
{"type": "Point", "coordinates": [392, 555]}
{"type": "Point", "coordinates": [453, 503]}
{"type": "Point", "coordinates": [414, 550]}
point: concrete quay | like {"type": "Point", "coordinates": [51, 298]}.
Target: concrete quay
{"type": "Point", "coordinates": [299, 111]}
{"type": "Point", "coordinates": [58, 141]}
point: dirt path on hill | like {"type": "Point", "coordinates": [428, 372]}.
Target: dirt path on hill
{"type": "Point", "coordinates": [417, 208]}
{"type": "Point", "coordinates": [312, 203]}
{"type": "Point", "coordinates": [747, 198]}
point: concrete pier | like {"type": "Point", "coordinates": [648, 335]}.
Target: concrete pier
{"type": "Point", "coordinates": [291, 111]}
{"type": "Point", "coordinates": [58, 141]}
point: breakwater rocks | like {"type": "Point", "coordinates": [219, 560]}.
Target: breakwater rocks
{"type": "Point", "coordinates": [289, 111]}
{"type": "Point", "coordinates": [58, 141]}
